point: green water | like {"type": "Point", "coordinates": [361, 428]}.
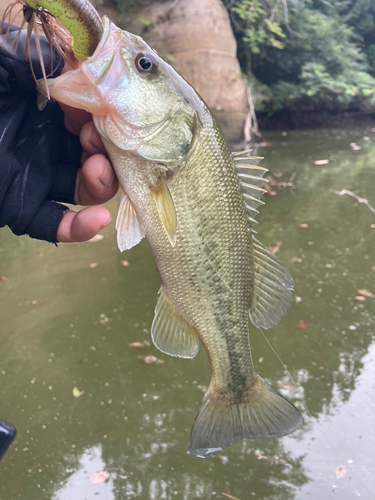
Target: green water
{"type": "Point", "coordinates": [133, 419]}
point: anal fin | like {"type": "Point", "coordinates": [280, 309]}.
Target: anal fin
{"type": "Point", "coordinates": [170, 333]}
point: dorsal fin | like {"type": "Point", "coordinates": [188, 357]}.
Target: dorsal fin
{"type": "Point", "coordinates": [250, 177]}
{"type": "Point", "coordinates": [273, 286]}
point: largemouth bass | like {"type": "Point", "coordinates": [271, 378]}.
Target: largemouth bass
{"type": "Point", "coordinates": [195, 203]}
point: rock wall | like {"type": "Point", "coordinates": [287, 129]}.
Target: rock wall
{"type": "Point", "coordinates": [196, 37]}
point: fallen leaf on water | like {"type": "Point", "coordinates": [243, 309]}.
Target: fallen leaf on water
{"type": "Point", "coordinates": [276, 461]}
{"type": "Point", "coordinates": [203, 388]}
{"type": "Point", "coordinates": [289, 387]}
{"type": "Point", "coordinates": [136, 344]}
{"type": "Point", "coordinates": [296, 259]}
{"type": "Point", "coordinates": [303, 225]}
{"type": "Point", "coordinates": [36, 302]}
{"type": "Point", "coordinates": [276, 248]}
{"type": "Point", "coordinates": [321, 162]}
{"type": "Point", "coordinates": [93, 264]}
{"type": "Point", "coordinates": [125, 263]}
{"type": "Point", "coordinates": [329, 265]}
{"type": "Point", "coordinates": [269, 190]}
{"type": "Point", "coordinates": [340, 472]}
{"type": "Point", "coordinates": [361, 298]}
{"type": "Point", "coordinates": [151, 360]}
{"type": "Point", "coordinates": [97, 237]}
{"type": "Point", "coordinates": [99, 477]}
{"type": "Point", "coordinates": [77, 392]}
{"type": "Point", "coordinates": [365, 293]}
{"type": "Point", "coordinates": [230, 496]}
{"type": "Point", "coordinates": [261, 359]}
{"type": "Point", "coordinates": [3, 279]}
{"type": "Point", "coordinates": [301, 325]}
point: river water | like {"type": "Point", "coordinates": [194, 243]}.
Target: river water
{"type": "Point", "coordinates": [68, 315]}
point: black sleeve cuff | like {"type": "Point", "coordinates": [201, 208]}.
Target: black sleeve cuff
{"type": "Point", "coordinates": [46, 222]}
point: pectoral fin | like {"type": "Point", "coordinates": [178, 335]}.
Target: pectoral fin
{"type": "Point", "coordinates": [167, 212]}
{"type": "Point", "coordinates": [170, 333]}
{"type": "Point", "coordinates": [129, 228]}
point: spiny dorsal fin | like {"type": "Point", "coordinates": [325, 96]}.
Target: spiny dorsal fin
{"type": "Point", "coordinates": [251, 181]}
{"type": "Point", "coordinates": [170, 333]}
{"type": "Point", "coordinates": [129, 227]}
{"type": "Point", "coordinates": [273, 287]}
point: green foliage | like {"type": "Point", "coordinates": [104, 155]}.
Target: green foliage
{"type": "Point", "coordinates": [313, 54]}
{"type": "Point", "coordinates": [259, 30]}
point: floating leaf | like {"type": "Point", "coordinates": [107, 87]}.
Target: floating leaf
{"type": "Point", "coordinates": [230, 496]}
{"type": "Point", "coordinates": [340, 472]}
{"type": "Point", "coordinates": [77, 392]}
{"type": "Point", "coordinates": [288, 387]}
{"type": "Point", "coordinates": [125, 263]}
{"type": "Point", "coordinates": [3, 279]}
{"type": "Point", "coordinates": [321, 162]}
{"type": "Point", "coordinates": [93, 264]}
{"type": "Point", "coordinates": [276, 248]}
{"type": "Point", "coordinates": [360, 298]}
{"type": "Point", "coordinates": [277, 461]}
{"type": "Point", "coordinates": [151, 360]}
{"type": "Point", "coordinates": [301, 326]}
{"type": "Point", "coordinates": [96, 238]}
{"type": "Point", "coordinates": [36, 302]}
{"type": "Point", "coordinates": [296, 259]}
{"type": "Point", "coordinates": [136, 344]}
{"type": "Point", "coordinates": [365, 293]}
{"type": "Point", "coordinates": [99, 477]}
{"type": "Point", "coordinates": [303, 225]}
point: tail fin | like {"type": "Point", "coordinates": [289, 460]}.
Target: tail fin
{"type": "Point", "coordinates": [220, 423]}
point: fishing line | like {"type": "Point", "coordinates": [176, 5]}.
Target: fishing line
{"type": "Point", "coordinates": [309, 413]}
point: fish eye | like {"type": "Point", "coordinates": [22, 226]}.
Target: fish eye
{"type": "Point", "coordinates": [146, 64]}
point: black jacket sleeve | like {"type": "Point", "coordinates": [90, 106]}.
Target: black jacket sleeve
{"type": "Point", "coordinates": [39, 158]}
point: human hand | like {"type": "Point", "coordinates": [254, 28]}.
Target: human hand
{"type": "Point", "coordinates": [96, 182]}
{"type": "Point", "coordinates": [40, 158]}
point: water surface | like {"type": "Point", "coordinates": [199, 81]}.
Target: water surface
{"type": "Point", "coordinates": [68, 315]}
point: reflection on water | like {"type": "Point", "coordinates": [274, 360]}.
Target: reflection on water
{"type": "Point", "coordinates": [69, 314]}
{"type": "Point", "coordinates": [79, 485]}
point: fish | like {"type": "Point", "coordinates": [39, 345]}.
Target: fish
{"type": "Point", "coordinates": [195, 202]}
